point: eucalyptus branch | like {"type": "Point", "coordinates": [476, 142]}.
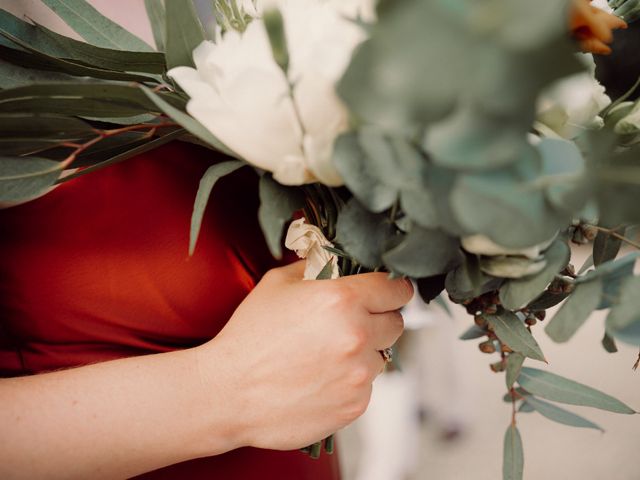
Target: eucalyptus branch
{"type": "Point", "coordinates": [103, 134]}
{"type": "Point", "coordinates": [615, 234]}
{"type": "Point", "coordinates": [513, 406]}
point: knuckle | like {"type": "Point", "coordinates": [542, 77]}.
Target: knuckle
{"type": "Point", "coordinates": [359, 376]}
{"type": "Point", "coordinates": [397, 321]}
{"type": "Point", "coordinates": [273, 276]}
{"type": "Point", "coordinates": [354, 342]}
{"type": "Point", "coordinates": [357, 408]}
{"type": "Point", "coordinates": [339, 296]}
{"type": "Point", "coordinates": [406, 290]}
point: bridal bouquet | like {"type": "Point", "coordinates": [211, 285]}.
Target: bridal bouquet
{"type": "Point", "coordinates": [463, 143]}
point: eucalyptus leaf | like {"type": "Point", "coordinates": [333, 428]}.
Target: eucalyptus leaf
{"type": "Point", "coordinates": [430, 288]}
{"type": "Point", "coordinates": [559, 415]}
{"type": "Point", "coordinates": [157, 18]}
{"type": "Point", "coordinates": [513, 459]}
{"type": "Point", "coordinates": [514, 364]}
{"type": "Point", "coordinates": [94, 27]}
{"type": "Point", "coordinates": [565, 174]}
{"type": "Point", "coordinates": [473, 140]}
{"type": "Point", "coordinates": [43, 61]}
{"type": "Point", "coordinates": [472, 333]}
{"type": "Point", "coordinates": [130, 152]}
{"type": "Point", "coordinates": [43, 126]}
{"type": "Point", "coordinates": [326, 272]}
{"type": "Point", "coordinates": [25, 178]}
{"type": "Point", "coordinates": [424, 253]}
{"type": "Point", "coordinates": [363, 234]}
{"type": "Point", "coordinates": [277, 206]}
{"type": "Point", "coordinates": [98, 100]}
{"type": "Point", "coordinates": [547, 300]}
{"type": "Point", "coordinates": [612, 273]}
{"type": "Point", "coordinates": [559, 389]}
{"type": "Point", "coordinates": [12, 76]}
{"type": "Point", "coordinates": [208, 181]}
{"type": "Point", "coordinates": [60, 46]}
{"type": "Point", "coordinates": [606, 246]}
{"type": "Point", "coordinates": [354, 166]}
{"type": "Point", "coordinates": [525, 408]}
{"type": "Point", "coordinates": [623, 321]}
{"type": "Point", "coordinates": [575, 311]}
{"type": "Point", "coordinates": [183, 32]}
{"type": "Point", "coordinates": [513, 332]}
{"type": "Point", "coordinates": [502, 207]}
{"type": "Point", "coordinates": [609, 344]}
{"type": "Point", "coordinates": [517, 293]}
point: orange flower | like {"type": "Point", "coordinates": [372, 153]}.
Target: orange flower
{"type": "Point", "coordinates": [593, 27]}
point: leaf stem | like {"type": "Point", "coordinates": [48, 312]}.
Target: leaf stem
{"type": "Point", "coordinates": [102, 134]}
{"type": "Point", "coordinates": [615, 234]}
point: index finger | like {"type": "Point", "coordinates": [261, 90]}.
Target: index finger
{"type": "Point", "coordinates": [378, 292]}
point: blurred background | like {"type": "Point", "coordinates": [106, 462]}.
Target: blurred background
{"type": "Point", "coordinates": [442, 416]}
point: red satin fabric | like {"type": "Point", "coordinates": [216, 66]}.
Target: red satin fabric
{"type": "Point", "coordinates": [99, 269]}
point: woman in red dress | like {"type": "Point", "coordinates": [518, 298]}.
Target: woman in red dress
{"type": "Point", "coordinates": [123, 355]}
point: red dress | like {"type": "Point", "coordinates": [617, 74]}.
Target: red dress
{"type": "Point", "coordinates": [99, 269]}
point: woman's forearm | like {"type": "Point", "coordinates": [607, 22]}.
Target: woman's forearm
{"type": "Point", "coordinates": [112, 420]}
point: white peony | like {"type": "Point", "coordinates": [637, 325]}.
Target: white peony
{"type": "Point", "coordinates": [602, 5]}
{"type": "Point", "coordinates": [240, 94]}
{"type": "Point", "coordinates": [572, 105]}
{"type": "Point", "coordinates": [308, 242]}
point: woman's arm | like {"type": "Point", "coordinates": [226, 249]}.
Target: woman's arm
{"type": "Point", "coordinates": [294, 364]}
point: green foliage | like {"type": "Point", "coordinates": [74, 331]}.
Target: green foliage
{"type": "Point", "coordinates": [326, 272]}
{"type": "Point", "coordinates": [25, 133]}
{"type": "Point", "coordinates": [623, 321]}
{"type": "Point", "coordinates": [32, 57]}
{"type": "Point", "coordinates": [277, 205]}
{"type": "Point", "coordinates": [559, 415]}
{"type": "Point", "coordinates": [157, 18]}
{"type": "Point", "coordinates": [102, 159]}
{"type": "Point", "coordinates": [514, 365]}
{"type": "Point", "coordinates": [25, 178]}
{"type": "Point", "coordinates": [53, 44]}
{"type": "Point", "coordinates": [575, 311]}
{"type": "Point", "coordinates": [94, 27]}
{"type": "Point", "coordinates": [101, 100]}
{"type": "Point", "coordinates": [609, 344]}
{"type": "Point", "coordinates": [208, 181]}
{"type": "Point", "coordinates": [559, 389]}
{"type": "Point", "coordinates": [365, 235]}
{"type": "Point", "coordinates": [607, 246]}
{"type": "Point", "coordinates": [497, 204]}
{"type": "Point", "coordinates": [424, 253]}
{"type": "Point", "coordinates": [513, 455]}
{"type": "Point", "coordinates": [183, 33]}
{"type": "Point", "coordinates": [472, 333]}
{"type": "Point", "coordinates": [513, 332]}
{"type": "Point", "coordinates": [430, 288]}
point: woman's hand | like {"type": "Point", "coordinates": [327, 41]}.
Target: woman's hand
{"type": "Point", "coordinates": [293, 365]}
{"type": "Point", "coordinates": [299, 357]}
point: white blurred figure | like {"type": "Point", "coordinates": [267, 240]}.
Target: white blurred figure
{"type": "Point", "coordinates": [428, 381]}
